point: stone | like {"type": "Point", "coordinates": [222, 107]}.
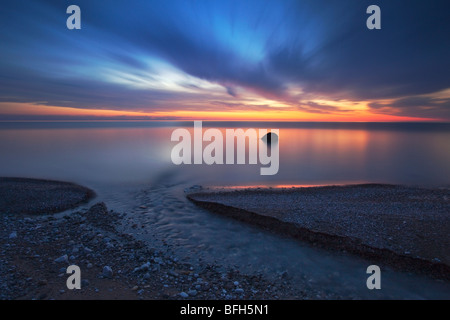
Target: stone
{"type": "Point", "coordinates": [192, 293]}
{"type": "Point", "coordinates": [107, 272]}
{"type": "Point", "coordinates": [269, 138]}
{"type": "Point", "coordinates": [87, 250]}
{"type": "Point", "coordinates": [63, 258]}
{"type": "Point", "coordinates": [144, 267]}
{"type": "Point", "coordinates": [173, 273]}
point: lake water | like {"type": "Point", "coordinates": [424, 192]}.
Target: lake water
{"type": "Point", "coordinates": [138, 152]}
{"type": "Point", "coordinates": [128, 164]}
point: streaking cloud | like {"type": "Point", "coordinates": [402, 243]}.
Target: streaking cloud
{"type": "Point", "coordinates": [291, 60]}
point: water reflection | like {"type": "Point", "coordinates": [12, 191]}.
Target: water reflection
{"type": "Point", "coordinates": [134, 153]}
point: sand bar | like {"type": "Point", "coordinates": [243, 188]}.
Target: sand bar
{"type": "Point", "coordinates": [32, 196]}
{"type": "Point", "coordinates": [407, 227]}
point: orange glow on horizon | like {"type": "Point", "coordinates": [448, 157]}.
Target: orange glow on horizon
{"type": "Point", "coordinates": [278, 114]}
{"type": "Point", "coordinates": [287, 115]}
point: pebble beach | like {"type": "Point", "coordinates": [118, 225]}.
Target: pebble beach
{"type": "Point", "coordinates": [406, 227]}
{"type": "Point", "coordinates": [37, 247]}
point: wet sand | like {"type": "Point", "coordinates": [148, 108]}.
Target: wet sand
{"type": "Point", "coordinates": [405, 227]}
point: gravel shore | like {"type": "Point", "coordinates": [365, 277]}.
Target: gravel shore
{"type": "Point", "coordinates": [35, 251]}
{"type": "Point", "coordinates": [32, 196]}
{"type": "Point", "coordinates": [406, 227]}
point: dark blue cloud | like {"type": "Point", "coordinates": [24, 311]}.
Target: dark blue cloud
{"type": "Point", "coordinates": [407, 56]}
{"type": "Point", "coordinates": [265, 46]}
{"type": "Point", "coordinates": [416, 106]}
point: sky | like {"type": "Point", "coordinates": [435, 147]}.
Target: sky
{"type": "Point", "coordinates": [304, 60]}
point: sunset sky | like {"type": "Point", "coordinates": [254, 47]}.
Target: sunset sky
{"type": "Point", "coordinates": [304, 60]}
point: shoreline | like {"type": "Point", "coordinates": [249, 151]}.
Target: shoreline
{"type": "Point", "coordinates": [410, 240]}
{"type": "Point", "coordinates": [117, 266]}
{"type": "Point", "coordinates": [37, 249]}
{"type": "Point", "coordinates": [41, 196]}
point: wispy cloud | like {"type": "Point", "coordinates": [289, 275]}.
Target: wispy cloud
{"type": "Point", "coordinates": [155, 56]}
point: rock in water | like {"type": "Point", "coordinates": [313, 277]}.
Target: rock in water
{"type": "Point", "coordinates": [269, 138]}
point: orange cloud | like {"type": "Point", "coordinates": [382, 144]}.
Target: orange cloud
{"type": "Point", "coordinates": [266, 114]}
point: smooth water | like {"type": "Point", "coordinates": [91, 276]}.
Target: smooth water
{"type": "Point", "coordinates": [128, 164]}
{"type": "Point", "coordinates": [120, 153]}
